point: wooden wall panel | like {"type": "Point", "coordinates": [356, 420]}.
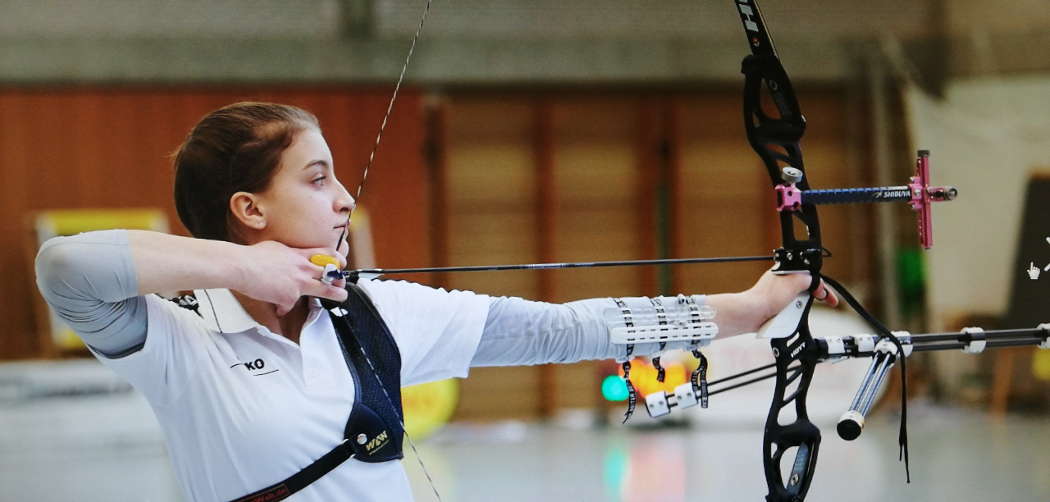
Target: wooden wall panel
{"type": "Point", "coordinates": [725, 202]}
{"type": "Point", "coordinates": [825, 147]}
{"type": "Point", "coordinates": [499, 393]}
{"type": "Point", "coordinates": [491, 188]}
{"type": "Point", "coordinates": [490, 194]}
{"type": "Point", "coordinates": [612, 154]}
{"type": "Point", "coordinates": [725, 189]}
{"type": "Point", "coordinates": [104, 147]}
{"type": "Point", "coordinates": [597, 181]}
{"type": "Point", "coordinates": [16, 309]}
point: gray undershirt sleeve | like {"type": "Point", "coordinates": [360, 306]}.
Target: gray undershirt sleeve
{"type": "Point", "coordinates": [522, 332]}
{"type": "Point", "coordinates": [89, 280]}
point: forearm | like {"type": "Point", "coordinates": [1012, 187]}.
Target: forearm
{"type": "Point", "coordinates": [737, 313]}
{"type": "Point", "coordinates": [164, 262]}
{"type": "Point", "coordinates": [95, 281]}
{"type": "Point", "coordinates": [521, 332]}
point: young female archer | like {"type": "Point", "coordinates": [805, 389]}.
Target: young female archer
{"type": "Point", "coordinates": [261, 391]}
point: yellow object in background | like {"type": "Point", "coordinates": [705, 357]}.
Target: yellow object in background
{"type": "Point", "coordinates": [1041, 364]}
{"type": "Point", "coordinates": [643, 375]}
{"type": "Point", "coordinates": [429, 406]}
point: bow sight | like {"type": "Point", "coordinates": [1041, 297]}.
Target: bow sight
{"type": "Point", "coordinates": [918, 193]}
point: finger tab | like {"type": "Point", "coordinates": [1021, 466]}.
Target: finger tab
{"type": "Point", "coordinates": [322, 260]}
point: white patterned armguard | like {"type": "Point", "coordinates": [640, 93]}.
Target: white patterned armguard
{"type": "Point", "coordinates": [682, 319]}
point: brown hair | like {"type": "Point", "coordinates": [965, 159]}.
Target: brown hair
{"type": "Point", "coordinates": [236, 148]}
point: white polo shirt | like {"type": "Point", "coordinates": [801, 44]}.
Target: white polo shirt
{"type": "Point", "coordinates": [243, 408]}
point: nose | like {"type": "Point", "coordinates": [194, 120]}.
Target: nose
{"type": "Point", "coordinates": [345, 202]}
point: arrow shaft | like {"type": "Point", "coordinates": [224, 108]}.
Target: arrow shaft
{"type": "Point", "coordinates": [550, 266]}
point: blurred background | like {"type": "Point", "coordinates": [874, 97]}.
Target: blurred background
{"type": "Point", "coordinates": [562, 131]}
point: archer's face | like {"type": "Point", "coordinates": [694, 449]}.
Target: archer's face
{"type": "Point", "coordinates": [305, 205]}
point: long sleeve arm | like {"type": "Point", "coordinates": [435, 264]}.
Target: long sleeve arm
{"type": "Point", "coordinates": [522, 332]}
{"type": "Point", "coordinates": [89, 280]}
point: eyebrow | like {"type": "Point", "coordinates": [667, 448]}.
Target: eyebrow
{"type": "Point", "coordinates": [317, 162]}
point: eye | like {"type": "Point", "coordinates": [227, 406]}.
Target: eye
{"type": "Point", "coordinates": [319, 180]}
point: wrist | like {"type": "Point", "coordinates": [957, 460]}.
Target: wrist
{"type": "Point", "coordinates": [757, 304]}
{"type": "Point", "coordinates": [737, 313]}
{"type": "Point", "coordinates": [236, 265]}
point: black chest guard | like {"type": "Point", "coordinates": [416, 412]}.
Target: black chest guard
{"type": "Point", "coordinates": [374, 428]}
{"type": "Point", "coordinates": [374, 431]}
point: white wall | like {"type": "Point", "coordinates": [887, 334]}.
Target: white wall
{"type": "Point", "coordinates": [986, 137]}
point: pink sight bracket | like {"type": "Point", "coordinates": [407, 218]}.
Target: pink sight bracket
{"type": "Point", "coordinates": [923, 195]}
{"type": "Point", "coordinates": [789, 197]}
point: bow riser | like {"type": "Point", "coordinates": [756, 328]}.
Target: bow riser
{"type": "Point", "coordinates": [775, 138]}
{"type": "Point", "coordinates": [801, 433]}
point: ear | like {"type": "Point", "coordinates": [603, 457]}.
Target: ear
{"type": "Point", "coordinates": [245, 208]}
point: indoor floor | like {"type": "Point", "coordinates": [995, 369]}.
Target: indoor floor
{"type": "Point", "coordinates": [95, 441]}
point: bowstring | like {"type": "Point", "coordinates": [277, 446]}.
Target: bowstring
{"type": "Point", "coordinates": [350, 215]}
{"type": "Point", "coordinates": [383, 123]}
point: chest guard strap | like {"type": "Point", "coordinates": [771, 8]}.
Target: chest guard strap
{"type": "Point", "coordinates": [374, 431]}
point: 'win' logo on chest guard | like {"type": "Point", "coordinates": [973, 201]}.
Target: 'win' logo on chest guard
{"type": "Point", "coordinates": [376, 443]}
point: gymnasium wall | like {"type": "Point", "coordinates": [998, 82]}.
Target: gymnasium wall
{"type": "Point", "coordinates": [464, 177]}
{"type": "Point", "coordinates": [616, 175]}
{"type": "Point", "coordinates": [109, 147]}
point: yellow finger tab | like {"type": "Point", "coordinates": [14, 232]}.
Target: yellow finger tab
{"type": "Point", "coordinates": [322, 259]}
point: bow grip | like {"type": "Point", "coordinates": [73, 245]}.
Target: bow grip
{"type": "Point", "coordinates": [785, 323]}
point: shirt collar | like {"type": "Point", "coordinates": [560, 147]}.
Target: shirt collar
{"type": "Point", "coordinates": [221, 311]}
